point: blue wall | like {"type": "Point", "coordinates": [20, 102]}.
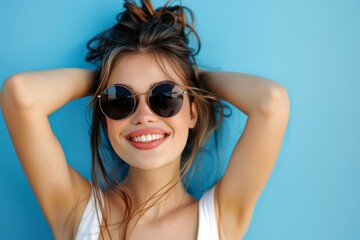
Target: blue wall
{"type": "Point", "coordinates": [310, 47]}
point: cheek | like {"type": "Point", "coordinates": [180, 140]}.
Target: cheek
{"type": "Point", "coordinates": [185, 112]}
{"type": "Point", "coordinates": [114, 128]}
{"type": "Point", "coordinates": [181, 122]}
{"type": "Point", "coordinates": [182, 119]}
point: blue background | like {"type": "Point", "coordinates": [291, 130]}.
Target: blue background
{"type": "Point", "coordinates": [311, 47]}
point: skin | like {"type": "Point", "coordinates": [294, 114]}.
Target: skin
{"type": "Point", "coordinates": [28, 98]}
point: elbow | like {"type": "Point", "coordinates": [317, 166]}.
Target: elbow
{"type": "Point", "coordinates": [14, 93]}
{"type": "Point", "coordinates": [276, 100]}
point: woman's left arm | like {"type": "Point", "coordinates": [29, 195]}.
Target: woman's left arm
{"type": "Point", "coordinates": [267, 105]}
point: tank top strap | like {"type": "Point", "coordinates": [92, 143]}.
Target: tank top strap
{"type": "Point", "coordinates": [89, 227]}
{"type": "Point", "coordinates": [208, 229]}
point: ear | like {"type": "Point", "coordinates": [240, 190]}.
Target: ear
{"type": "Point", "coordinates": [193, 114]}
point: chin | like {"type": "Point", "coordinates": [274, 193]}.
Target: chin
{"type": "Point", "coordinates": [151, 162]}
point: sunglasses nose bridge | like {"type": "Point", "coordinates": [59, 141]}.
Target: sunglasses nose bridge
{"type": "Point", "coordinates": [138, 94]}
{"type": "Point", "coordinates": [141, 103]}
{"type": "Point", "coordinates": [137, 98]}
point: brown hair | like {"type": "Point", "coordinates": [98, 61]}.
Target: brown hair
{"type": "Point", "coordinates": [163, 33]}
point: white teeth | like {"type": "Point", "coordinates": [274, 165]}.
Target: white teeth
{"type": "Point", "coordinates": [147, 138]}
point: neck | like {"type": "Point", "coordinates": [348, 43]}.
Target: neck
{"type": "Point", "coordinates": [161, 187]}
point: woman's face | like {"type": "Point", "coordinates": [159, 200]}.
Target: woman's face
{"type": "Point", "coordinates": [139, 72]}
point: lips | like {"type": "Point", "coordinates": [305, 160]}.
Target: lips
{"type": "Point", "coordinates": [147, 138]}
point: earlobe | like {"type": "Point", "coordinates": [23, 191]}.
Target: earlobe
{"type": "Point", "coordinates": [193, 115]}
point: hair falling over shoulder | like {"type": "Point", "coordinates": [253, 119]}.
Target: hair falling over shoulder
{"type": "Point", "coordinates": [165, 34]}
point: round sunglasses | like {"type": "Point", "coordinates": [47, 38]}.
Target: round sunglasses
{"type": "Point", "coordinates": [118, 102]}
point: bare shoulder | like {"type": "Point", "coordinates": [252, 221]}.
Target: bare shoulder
{"type": "Point", "coordinates": [230, 227]}
{"type": "Point", "coordinates": [68, 222]}
{"type": "Point", "coordinates": [57, 187]}
{"type": "Point", "coordinates": [251, 163]}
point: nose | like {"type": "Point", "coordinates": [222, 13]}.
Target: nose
{"type": "Point", "coordinates": [143, 113]}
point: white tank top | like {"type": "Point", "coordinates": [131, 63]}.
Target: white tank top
{"type": "Point", "coordinates": [89, 225]}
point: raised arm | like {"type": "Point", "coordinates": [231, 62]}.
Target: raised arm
{"type": "Point", "coordinates": [26, 100]}
{"type": "Point", "coordinates": [266, 103]}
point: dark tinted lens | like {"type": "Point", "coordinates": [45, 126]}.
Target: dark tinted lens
{"type": "Point", "coordinates": [166, 100]}
{"type": "Point", "coordinates": [117, 102]}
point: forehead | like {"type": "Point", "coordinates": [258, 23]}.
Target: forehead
{"type": "Point", "coordinates": [139, 71]}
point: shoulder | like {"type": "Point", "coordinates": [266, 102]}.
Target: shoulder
{"type": "Point", "coordinates": [89, 225]}
{"type": "Point", "coordinates": [232, 224]}
{"type": "Point", "coordinates": [73, 215]}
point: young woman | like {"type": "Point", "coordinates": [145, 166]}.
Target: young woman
{"type": "Point", "coordinates": [152, 112]}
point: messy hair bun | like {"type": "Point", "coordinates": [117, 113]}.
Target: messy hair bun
{"type": "Point", "coordinates": [143, 28]}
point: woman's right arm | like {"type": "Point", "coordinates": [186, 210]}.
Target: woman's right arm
{"type": "Point", "coordinates": [27, 99]}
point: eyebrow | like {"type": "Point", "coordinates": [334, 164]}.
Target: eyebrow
{"type": "Point", "coordinates": [151, 86]}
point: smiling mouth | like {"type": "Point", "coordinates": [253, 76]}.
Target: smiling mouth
{"type": "Point", "coordinates": [147, 138]}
